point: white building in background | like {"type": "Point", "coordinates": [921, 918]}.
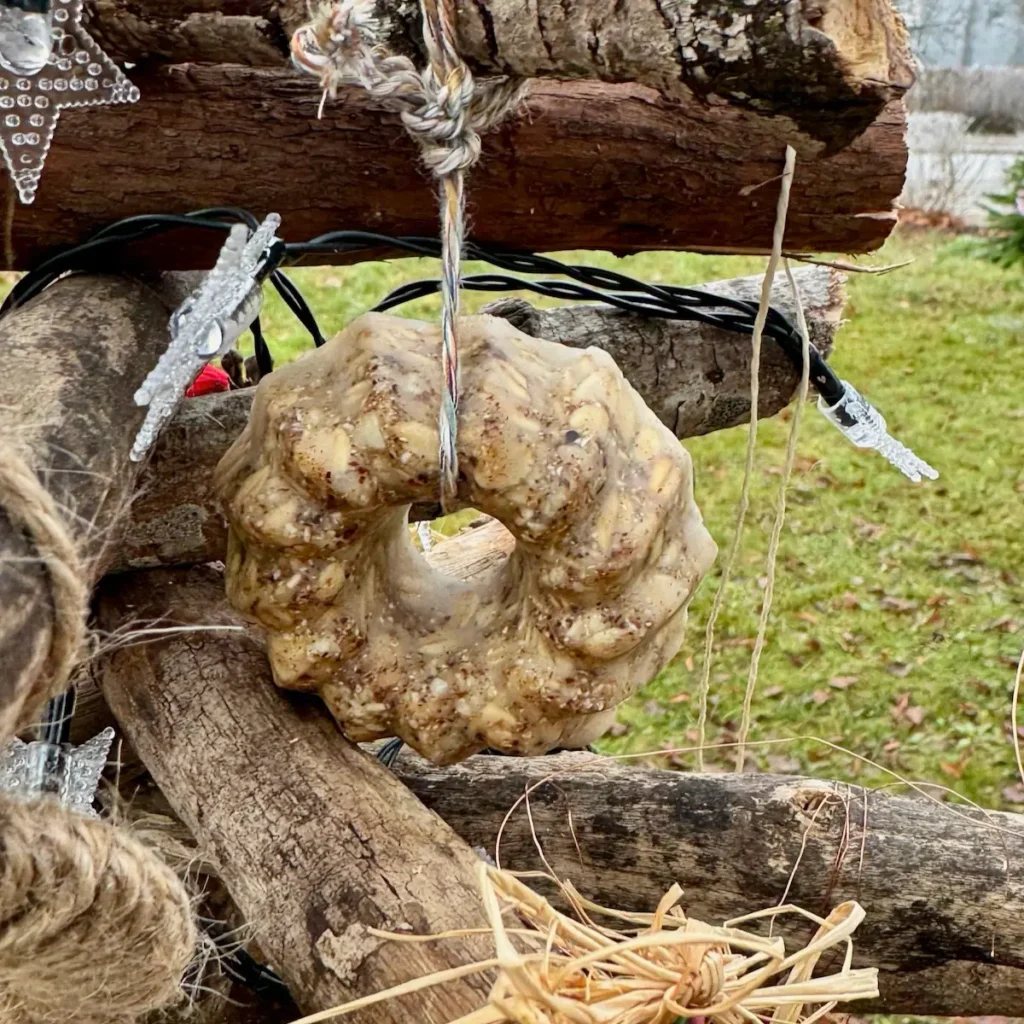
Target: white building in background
{"type": "Point", "coordinates": [952, 165]}
{"type": "Point", "coordinates": [971, 33]}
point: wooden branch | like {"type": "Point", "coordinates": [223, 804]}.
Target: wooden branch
{"type": "Point", "coordinates": [586, 165]}
{"type": "Point", "coordinates": [317, 842]}
{"type": "Point", "coordinates": [696, 378]}
{"type": "Point", "coordinates": [941, 885]}
{"type": "Point", "coordinates": [830, 65]}
{"type": "Point", "coordinates": [254, 773]}
{"type": "Point", "coordinates": [73, 359]}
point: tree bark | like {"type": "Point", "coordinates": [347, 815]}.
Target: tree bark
{"type": "Point", "coordinates": [317, 842]}
{"type": "Point", "coordinates": [945, 906]}
{"type": "Point", "coordinates": [696, 379]}
{"type": "Point", "coordinates": [585, 165]}
{"type": "Point", "coordinates": [73, 359]}
{"type": "Point", "coordinates": [828, 65]}
{"type": "Point", "coordinates": [266, 783]}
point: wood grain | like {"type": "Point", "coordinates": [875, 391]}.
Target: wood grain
{"type": "Point", "coordinates": [73, 359]}
{"type": "Point", "coordinates": [267, 784]}
{"type": "Point", "coordinates": [828, 65]}
{"type": "Point", "coordinates": [585, 165]}
{"type": "Point", "coordinates": [316, 840]}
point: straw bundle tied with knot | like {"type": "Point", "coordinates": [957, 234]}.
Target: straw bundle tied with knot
{"type": "Point", "coordinates": [662, 968]}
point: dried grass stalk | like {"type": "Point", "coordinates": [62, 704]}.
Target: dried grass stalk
{"type": "Point", "coordinates": [649, 969]}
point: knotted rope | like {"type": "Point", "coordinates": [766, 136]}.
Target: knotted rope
{"type": "Point", "coordinates": [31, 506]}
{"type": "Point", "coordinates": [445, 111]}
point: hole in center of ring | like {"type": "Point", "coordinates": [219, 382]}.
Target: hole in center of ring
{"type": "Point", "coordinates": [465, 544]}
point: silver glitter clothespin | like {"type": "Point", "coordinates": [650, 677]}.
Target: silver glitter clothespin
{"type": "Point", "coordinates": [31, 771]}
{"type": "Point", "coordinates": [206, 325]}
{"type": "Point", "coordinates": [854, 416]}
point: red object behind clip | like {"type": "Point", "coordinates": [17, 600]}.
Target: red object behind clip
{"type": "Point", "coordinates": [211, 379]}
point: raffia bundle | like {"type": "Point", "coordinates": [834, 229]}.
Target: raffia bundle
{"type": "Point", "coordinates": [654, 969]}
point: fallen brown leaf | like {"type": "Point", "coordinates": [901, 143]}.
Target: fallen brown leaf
{"type": "Point", "coordinates": [1014, 794]}
{"type": "Point", "coordinates": [821, 696]}
{"type": "Point", "coordinates": [900, 669]}
{"type": "Point", "coordinates": [898, 604]}
{"type": "Point", "coordinates": [772, 691]}
{"type": "Point", "coordinates": [679, 698]}
{"type": "Point", "coordinates": [842, 682]}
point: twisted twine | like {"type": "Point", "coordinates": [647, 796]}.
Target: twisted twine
{"type": "Point", "coordinates": [445, 111]}
{"type": "Point", "coordinates": [31, 506]}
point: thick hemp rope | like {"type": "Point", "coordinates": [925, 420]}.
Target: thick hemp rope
{"type": "Point", "coordinates": [31, 506]}
{"type": "Point", "coordinates": [94, 927]}
{"type": "Point", "coordinates": [778, 234]}
{"type": "Point", "coordinates": [445, 111]}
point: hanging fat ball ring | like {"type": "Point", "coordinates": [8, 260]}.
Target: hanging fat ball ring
{"type": "Point", "coordinates": [555, 444]}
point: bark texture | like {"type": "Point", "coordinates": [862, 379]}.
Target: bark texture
{"type": "Point", "coordinates": [317, 842]}
{"type": "Point", "coordinates": [695, 378]}
{"type": "Point", "coordinates": [829, 65]}
{"type": "Point", "coordinates": [266, 784]}
{"type": "Point", "coordinates": [73, 359]}
{"type": "Point", "coordinates": [585, 165]}
{"type": "Point", "coordinates": [941, 886]}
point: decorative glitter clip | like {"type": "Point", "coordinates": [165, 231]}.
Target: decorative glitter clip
{"type": "Point", "coordinates": [855, 417]}
{"type": "Point", "coordinates": [48, 62]}
{"type": "Point", "coordinates": [31, 771]}
{"type": "Point", "coordinates": [206, 325]}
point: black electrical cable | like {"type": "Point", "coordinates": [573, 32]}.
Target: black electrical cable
{"type": "Point", "coordinates": [673, 302]}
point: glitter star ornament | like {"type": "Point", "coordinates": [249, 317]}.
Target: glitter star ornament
{"type": "Point", "coordinates": [77, 73]}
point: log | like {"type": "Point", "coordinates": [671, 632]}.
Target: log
{"type": "Point", "coordinates": [317, 841]}
{"type": "Point", "coordinates": [944, 901]}
{"type": "Point", "coordinates": [631, 170]}
{"type": "Point", "coordinates": [828, 65]}
{"type": "Point", "coordinates": [73, 359]}
{"type": "Point", "coordinates": [696, 378]}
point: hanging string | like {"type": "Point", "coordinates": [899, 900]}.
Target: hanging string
{"type": "Point", "coordinates": [780, 518]}
{"type": "Point", "coordinates": [744, 503]}
{"type": "Point", "coordinates": [445, 111]}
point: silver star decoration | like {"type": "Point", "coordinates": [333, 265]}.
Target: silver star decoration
{"type": "Point", "coordinates": [856, 418]}
{"type": "Point", "coordinates": [30, 771]}
{"type": "Point", "coordinates": [33, 91]}
{"type": "Point", "coordinates": [206, 325]}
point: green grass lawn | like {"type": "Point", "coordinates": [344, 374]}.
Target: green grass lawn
{"type": "Point", "coordinates": [899, 609]}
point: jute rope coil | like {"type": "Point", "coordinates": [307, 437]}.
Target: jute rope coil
{"type": "Point", "coordinates": [31, 506]}
{"type": "Point", "coordinates": [94, 927]}
{"type": "Point", "coordinates": [445, 111]}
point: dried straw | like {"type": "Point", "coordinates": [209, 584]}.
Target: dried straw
{"type": "Point", "coordinates": [649, 969]}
